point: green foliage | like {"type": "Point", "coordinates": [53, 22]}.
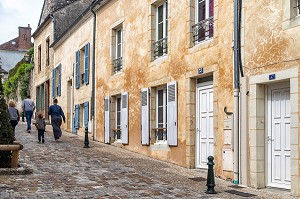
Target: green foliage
{"type": "Point", "coordinates": [6, 131]}
{"type": "Point", "coordinates": [20, 78]}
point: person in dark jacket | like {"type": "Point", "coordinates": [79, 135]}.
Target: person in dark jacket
{"type": "Point", "coordinates": [57, 115]}
{"type": "Point", "coordinates": [40, 125]}
{"type": "Point", "coordinates": [14, 115]}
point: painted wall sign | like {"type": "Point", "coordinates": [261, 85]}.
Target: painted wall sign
{"type": "Point", "coordinates": [200, 70]}
{"type": "Point", "coordinates": [272, 77]}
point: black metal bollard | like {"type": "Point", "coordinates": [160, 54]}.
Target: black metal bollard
{"type": "Point", "coordinates": [210, 176]}
{"type": "Point", "coordinates": [22, 114]}
{"type": "Point", "coordinates": [86, 138]}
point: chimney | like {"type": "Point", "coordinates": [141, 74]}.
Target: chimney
{"type": "Point", "coordinates": [24, 38]}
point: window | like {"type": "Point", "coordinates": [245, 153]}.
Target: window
{"type": "Point", "coordinates": [203, 28]}
{"type": "Point", "coordinates": [161, 115]}
{"type": "Point", "coordinates": [82, 66]}
{"type": "Point", "coordinates": [56, 81]}
{"type": "Point", "coordinates": [117, 49]}
{"type": "Point", "coordinates": [39, 58]}
{"type": "Point", "coordinates": [160, 46]}
{"type": "Point", "coordinates": [47, 51]}
{"type": "Point", "coordinates": [117, 115]}
{"type": "Point", "coordinates": [298, 7]}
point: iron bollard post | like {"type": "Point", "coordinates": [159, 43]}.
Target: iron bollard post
{"type": "Point", "coordinates": [86, 138]}
{"type": "Point", "coordinates": [210, 176]}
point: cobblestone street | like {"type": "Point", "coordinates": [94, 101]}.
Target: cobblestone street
{"type": "Point", "coordinates": [65, 169]}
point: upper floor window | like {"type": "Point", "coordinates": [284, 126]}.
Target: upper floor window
{"type": "Point", "coordinates": [82, 65]}
{"type": "Point", "coordinates": [117, 51]}
{"type": "Point", "coordinates": [160, 46]}
{"type": "Point", "coordinates": [203, 28]}
{"type": "Point", "coordinates": [47, 51]}
{"type": "Point", "coordinates": [39, 58]}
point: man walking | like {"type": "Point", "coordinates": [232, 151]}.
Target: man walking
{"type": "Point", "coordinates": [28, 107]}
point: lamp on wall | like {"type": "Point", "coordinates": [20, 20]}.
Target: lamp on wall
{"type": "Point", "coordinates": [27, 57]}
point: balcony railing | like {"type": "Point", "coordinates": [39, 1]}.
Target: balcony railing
{"type": "Point", "coordinates": [117, 134]}
{"type": "Point", "coordinates": [82, 78]}
{"type": "Point", "coordinates": [160, 47]}
{"type": "Point", "coordinates": [118, 64]}
{"type": "Point", "coordinates": [160, 134]}
{"type": "Point", "coordinates": [203, 30]}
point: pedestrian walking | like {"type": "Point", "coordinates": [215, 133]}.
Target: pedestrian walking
{"type": "Point", "coordinates": [28, 107]}
{"type": "Point", "coordinates": [57, 115]}
{"type": "Point", "coordinates": [40, 124]}
{"type": "Point", "coordinates": [14, 115]}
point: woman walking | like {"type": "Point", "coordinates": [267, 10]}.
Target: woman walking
{"type": "Point", "coordinates": [57, 115]}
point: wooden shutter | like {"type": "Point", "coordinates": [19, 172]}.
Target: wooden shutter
{"type": "Point", "coordinates": [86, 63]}
{"type": "Point", "coordinates": [124, 118]}
{"type": "Point", "coordinates": [77, 70]}
{"type": "Point", "coordinates": [59, 80]}
{"type": "Point", "coordinates": [76, 119]}
{"type": "Point", "coordinates": [106, 120]}
{"type": "Point", "coordinates": [53, 83]}
{"type": "Point", "coordinates": [172, 113]}
{"type": "Point", "coordinates": [86, 114]}
{"type": "Point", "coordinates": [145, 116]}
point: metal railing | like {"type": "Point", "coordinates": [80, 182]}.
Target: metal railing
{"type": "Point", "coordinates": [117, 134]}
{"type": "Point", "coordinates": [160, 47]}
{"type": "Point", "coordinates": [160, 134]}
{"type": "Point", "coordinates": [203, 30]}
{"type": "Point", "coordinates": [118, 63]}
{"type": "Point", "coordinates": [82, 78]}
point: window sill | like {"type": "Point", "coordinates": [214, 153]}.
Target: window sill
{"type": "Point", "coordinates": [160, 147]}
{"type": "Point", "coordinates": [159, 60]}
{"type": "Point", "coordinates": [201, 45]}
{"type": "Point", "coordinates": [291, 23]}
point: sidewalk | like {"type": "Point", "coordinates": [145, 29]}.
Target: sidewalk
{"type": "Point", "coordinates": [65, 169]}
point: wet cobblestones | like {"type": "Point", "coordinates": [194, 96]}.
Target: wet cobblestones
{"type": "Point", "coordinates": [65, 169]}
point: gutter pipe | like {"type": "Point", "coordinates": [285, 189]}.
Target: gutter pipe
{"type": "Point", "coordinates": [93, 75]}
{"type": "Point", "coordinates": [236, 91]}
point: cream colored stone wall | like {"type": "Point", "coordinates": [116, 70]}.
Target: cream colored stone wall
{"type": "Point", "coordinates": [65, 55]}
{"type": "Point", "coordinates": [180, 65]}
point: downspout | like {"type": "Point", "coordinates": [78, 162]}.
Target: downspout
{"type": "Point", "coordinates": [236, 92]}
{"type": "Point", "coordinates": [93, 75]}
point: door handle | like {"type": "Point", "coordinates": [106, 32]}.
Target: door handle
{"type": "Point", "coordinates": [270, 139]}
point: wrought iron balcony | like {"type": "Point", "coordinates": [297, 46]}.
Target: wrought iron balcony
{"type": "Point", "coordinates": [160, 134]}
{"type": "Point", "coordinates": [117, 134]}
{"type": "Point", "coordinates": [160, 47]}
{"type": "Point", "coordinates": [118, 64]}
{"type": "Point", "coordinates": [203, 30]}
{"type": "Point", "coordinates": [82, 78]}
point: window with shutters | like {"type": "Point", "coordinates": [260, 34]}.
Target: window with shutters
{"type": "Point", "coordinates": [203, 29]}
{"type": "Point", "coordinates": [81, 115]}
{"type": "Point", "coordinates": [117, 49]}
{"type": "Point", "coordinates": [56, 81]}
{"type": "Point", "coordinates": [82, 66]}
{"type": "Point", "coordinates": [160, 44]}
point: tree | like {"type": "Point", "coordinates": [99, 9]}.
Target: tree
{"type": "Point", "coordinates": [6, 131]}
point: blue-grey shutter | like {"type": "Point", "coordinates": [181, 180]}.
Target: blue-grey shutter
{"type": "Point", "coordinates": [172, 113]}
{"type": "Point", "coordinates": [124, 118]}
{"type": "Point", "coordinates": [59, 80]}
{"type": "Point", "coordinates": [76, 120]}
{"type": "Point", "coordinates": [86, 114]}
{"type": "Point", "coordinates": [77, 70]}
{"type": "Point", "coordinates": [145, 116]}
{"type": "Point", "coordinates": [107, 120]}
{"type": "Point", "coordinates": [86, 63]}
{"type": "Point", "coordinates": [53, 83]}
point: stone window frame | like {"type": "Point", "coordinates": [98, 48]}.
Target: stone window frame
{"type": "Point", "coordinates": [291, 16]}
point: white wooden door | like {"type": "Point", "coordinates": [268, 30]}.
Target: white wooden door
{"type": "Point", "coordinates": [278, 139]}
{"type": "Point", "coordinates": [204, 125]}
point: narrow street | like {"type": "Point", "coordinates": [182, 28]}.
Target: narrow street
{"type": "Point", "coordinates": [65, 169]}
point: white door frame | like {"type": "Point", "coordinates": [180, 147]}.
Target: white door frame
{"type": "Point", "coordinates": [200, 87]}
{"type": "Point", "coordinates": [269, 139]}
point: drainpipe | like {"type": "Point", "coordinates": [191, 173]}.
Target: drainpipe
{"type": "Point", "coordinates": [93, 75]}
{"type": "Point", "coordinates": [236, 92]}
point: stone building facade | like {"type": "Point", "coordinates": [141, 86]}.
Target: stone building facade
{"type": "Point", "coordinates": [163, 83]}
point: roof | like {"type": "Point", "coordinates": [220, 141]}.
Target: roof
{"type": "Point", "coordinates": [11, 45]}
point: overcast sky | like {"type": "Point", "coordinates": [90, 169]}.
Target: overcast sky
{"type": "Point", "coordinates": [15, 13]}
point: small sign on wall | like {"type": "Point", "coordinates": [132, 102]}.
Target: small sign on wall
{"type": "Point", "coordinates": [200, 70]}
{"type": "Point", "coordinates": [272, 76]}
